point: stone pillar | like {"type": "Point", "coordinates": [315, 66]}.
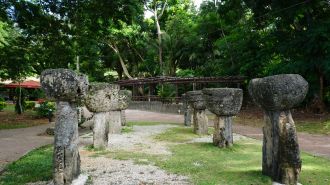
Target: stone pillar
{"type": "Point", "coordinates": [277, 95]}
{"type": "Point", "coordinates": [125, 97]}
{"type": "Point", "coordinates": [123, 118]}
{"type": "Point", "coordinates": [67, 88]}
{"type": "Point", "coordinates": [102, 98]}
{"type": "Point", "coordinates": [224, 103]}
{"type": "Point", "coordinates": [114, 122]}
{"type": "Point", "coordinates": [186, 110]}
{"type": "Point", "coordinates": [200, 120]}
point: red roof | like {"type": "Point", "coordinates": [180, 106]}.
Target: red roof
{"type": "Point", "coordinates": [27, 84]}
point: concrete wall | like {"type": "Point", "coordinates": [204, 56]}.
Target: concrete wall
{"type": "Point", "coordinates": [156, 106]}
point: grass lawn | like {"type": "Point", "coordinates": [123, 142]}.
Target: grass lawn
{"type": "Point", "coordinates": [10, 120]}
{"type": "Point", "coordinates": [33, 167]}
{"type": "Point", "coordinates": [202, 162]}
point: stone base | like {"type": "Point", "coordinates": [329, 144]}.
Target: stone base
{"type": "Point", "coordinates": [281, 156]}
{"type": "Point", "coordinates": [115, 122]}
{"type": "Point", "coordinates": [223, 132]}
{"type": "Point", "coordinates": [123, 118]}
{"type": "Point", "coordinates": [66, 154]}
{"type": "Point", "coordinates": [200, 122]}
{"type": "Point", "coordinates": [187, 117]}
{"type": "Point", "coordinates": [100, 130]}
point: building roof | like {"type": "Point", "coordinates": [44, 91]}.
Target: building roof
{"type": "Point", "coordinates": [30, 84]}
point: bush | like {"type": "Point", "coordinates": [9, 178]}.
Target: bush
{"type": "Point", "coordinates": [29, 105]}
{"type": "Point", "coordinates": [2, 104]}
{"type": "Point", "coordinates": [46, 109]}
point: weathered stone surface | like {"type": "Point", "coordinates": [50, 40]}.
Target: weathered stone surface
{"type": "Point", "coordinates": [102, 97]}
{"type": "Point", "coordinates": [67, 88]}
{"type": "Point", "coordinates": [100, 130]}
{"type": "Point", "coordinates": [115, 122]}
{"type": "Point", "coordinates": [50, 131]}
{"type": "Point", "coordinates": [223, 132]}
{"type": "Point", "coordinates": [186, 110]}
{"type": "Point", "coordinates": [200, 121]}
{"type": "Point", "coordinates": [281, 155]}
{"type": "Point", "coordinates": [278, 92]}
{"type": "Point", "coordinates": [223, 101]}
{"type": "Point", "coordinates": [196, 99]}
{"type": "Point", "coordinates": [63, 84]}
{"type": "Point", "coordinates": [277, 95]}
{"type": "Point", "coordinates": [123, 118]}
{"type": "Point", "coordinates": [125, 97]}
{"type": "Point", "coordinates": [66, 153]}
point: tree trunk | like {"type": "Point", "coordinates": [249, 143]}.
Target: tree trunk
{"type": "Point", "coordinates": [20, 111]}
{"type": "Point", "coordinates": [160, 48]}
{"type": "Point", "coordinates": [122, 63]}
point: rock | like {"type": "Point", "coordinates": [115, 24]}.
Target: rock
{"type": "Point", "coordinates": [68, 89]}
{"type": "Point", "coordinates": [280, 151]}
{"type": "Point", "coordinates": [102, 97]}
{"type": "Point", "coordinates": [115, 122]}
{"type": "Point", "coordinates": [100, 130]}
{"type": "Point", "coordinates": [63, 84]}
{"type": "Point", "coordinates": [125, 97]}
{"type": "Point", "coordinates": [223, 101]}
{"type": "Point", "coordinates": [196, 100]}
{"type": "Point", "coordinates": [278, 92]}
{"type": "Point", "coordinates": [187, 111]}
{"type": "Point", "coordinates": [50, 131]}
{"type": "Point", "coordinates": [200, 120]}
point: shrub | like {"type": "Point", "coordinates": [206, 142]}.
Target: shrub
{"type": "Point", "coordinates": [2, 104]}
{"type": "Point", "coordinates": [29, 105]}
{"type": "Point", "coordinates": [46, 109]}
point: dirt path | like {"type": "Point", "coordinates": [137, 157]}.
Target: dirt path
{"type": "Point", "coordinates": [315, 144]}
{"type": "Point", "coordinates": [14, 143]}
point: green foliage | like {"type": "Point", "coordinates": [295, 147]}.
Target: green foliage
{"type": "Point", "coordinates": [166, 91]}
{"type": "Point", "coordinates": [35, 166]}
{"type": "Point", "coordinates": [29, 105]}
{"type": "Point", "coordinates": [3, 104]}
{"type": "Point", "coordinates": [46, 109]}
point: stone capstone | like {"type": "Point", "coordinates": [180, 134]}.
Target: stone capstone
{"type": "Point", "coordinates": [125, 97]}
{"type": "Point", "coordinates": [278, 92]}
{"type": "Point", "coordinates": [102, 97]}
{"type": "Point", "coordinates": [196, 99]}
{"type": "Point", "coordinates": [63, 84]}
{"type": "Point", "coordinates": [223, 101]}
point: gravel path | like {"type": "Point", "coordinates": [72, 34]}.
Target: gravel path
{"type": "Point", "coordinates": [114, 172]}
{"type": "Point", "coordinates": [107, 171]}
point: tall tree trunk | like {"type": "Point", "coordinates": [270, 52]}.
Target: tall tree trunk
{"type": "Point", "coordinates": [121, 60]}
{"type": "Point", "coordinates": [20, 98]}
{"type": "Point", "coordinates": [160, 47]}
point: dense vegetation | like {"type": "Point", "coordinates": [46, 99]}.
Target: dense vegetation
{"type": "Point", "coordinates": [113, 39]}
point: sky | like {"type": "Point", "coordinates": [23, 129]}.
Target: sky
{"type": "Point", "coordinates": [197, 3]}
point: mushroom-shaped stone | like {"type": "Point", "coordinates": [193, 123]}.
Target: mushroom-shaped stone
{"type": "Point", "coordinates": [196, 99]}
{"type": "Point", "coordinates": [67, 88]}
{"type": "Point", "coordinates": [200, 120]}
{"type": "Point", "coordinates": [225, 103]}
{"type": "Point", "coordinates": [277, 95]}
{"type": "Point", "coordinates": [278, 92]}
{"type": "Point", "coordinates": [63, 84]}
{"type": "Point", "coordinates": [125, 97]}
{"type": "Point", "coordinates": [102, 97]}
